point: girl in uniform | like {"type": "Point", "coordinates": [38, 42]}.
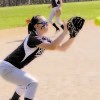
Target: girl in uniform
{"type": "Point", "coordinates": [56, 4]}
{"type": "Point", "coordinates": [32, 47]}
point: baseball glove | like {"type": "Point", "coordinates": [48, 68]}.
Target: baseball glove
{"type": "Point", "coordinates": [74, 25]}
{"type": "Point", "coordinates": [58, 12]}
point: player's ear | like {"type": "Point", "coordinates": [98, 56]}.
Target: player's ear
{"type": "Point", "coordinates": [36, 25]}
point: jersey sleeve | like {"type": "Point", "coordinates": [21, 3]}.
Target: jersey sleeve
{"type": "Point", "coordinates": [34, 40]}
{"type": "Point", "coordinates": [47, 39]}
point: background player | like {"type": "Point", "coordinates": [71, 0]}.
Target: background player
{"type": "Point", "coordinates": [55, 4]}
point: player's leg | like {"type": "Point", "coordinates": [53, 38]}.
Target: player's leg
{"type": "Point", "coordinates": [19, 92]}
{"type": "Point", "coordinates": [15, 96]}
{"type": "Point", "coordinates": [20, 78]}
{"type": "Point", "coordinates": [52, 14]}
{"type": "Point", "coordinates": [31, 91]}
{"type": "Point", "coordinates": [59, 22]}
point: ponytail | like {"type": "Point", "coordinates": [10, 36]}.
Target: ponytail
{"type": "Point", "coordinates": [31, 28]}
{"type": "Point", "coordinates": [32, 23]}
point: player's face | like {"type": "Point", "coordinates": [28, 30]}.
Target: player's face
{"type": "Point", "coordinates": [43, 24]}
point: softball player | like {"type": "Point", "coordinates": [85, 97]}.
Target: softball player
{"type": "Point", "coordinates": [32, 47]}
{"type": "Point", "coordinates": [56, 4]}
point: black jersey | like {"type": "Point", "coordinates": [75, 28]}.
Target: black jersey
{"type": "Point", "coordinates": [27, 51]}
{"type": "Point", "coordinates": [55, 3]}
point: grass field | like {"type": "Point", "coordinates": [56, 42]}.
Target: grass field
{"type": "Point", "coordinates": [11, 17]}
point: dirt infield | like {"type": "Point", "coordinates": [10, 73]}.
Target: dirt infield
{"type": "Point", "coordinates": [70, 75]}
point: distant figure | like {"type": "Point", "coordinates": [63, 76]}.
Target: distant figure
{"type": "Point", "coordinates": [56, 6]}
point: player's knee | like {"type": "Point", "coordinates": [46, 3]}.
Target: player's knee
{"type": "Point", "coordinates": [33, 84]}
{"type": "Point", "coordinates": [31, 90]}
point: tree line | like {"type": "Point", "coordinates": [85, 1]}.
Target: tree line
{"type": "Point", "coordinates": [4, 3]}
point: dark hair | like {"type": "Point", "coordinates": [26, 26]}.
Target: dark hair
{"type": "Point", "coordinates": [33, 21]}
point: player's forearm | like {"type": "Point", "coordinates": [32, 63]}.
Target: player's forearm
{"type": "Point", "coordinates": [57, 41]}
{"type": "Point", "coordinates": [54, 44]}
{"type": "Point", "coordinates": [66, 45]}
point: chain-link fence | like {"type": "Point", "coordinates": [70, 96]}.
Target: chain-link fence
{"type": "Point", "coordinates": [4, 3]}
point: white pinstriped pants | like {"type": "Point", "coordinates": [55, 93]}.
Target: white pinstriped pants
{"type": "Point", "coordinates": [52, 15]}
{"type": "Point", "coordinates": [26, 83]}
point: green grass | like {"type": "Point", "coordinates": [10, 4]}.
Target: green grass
{"type": "Point", "coordinates": [11, 17]}
{"type": "Point", "coordinates": [88, 10]}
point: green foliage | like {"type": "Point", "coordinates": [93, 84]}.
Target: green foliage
{"type": "Point", "coordinates": [16, 16]}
